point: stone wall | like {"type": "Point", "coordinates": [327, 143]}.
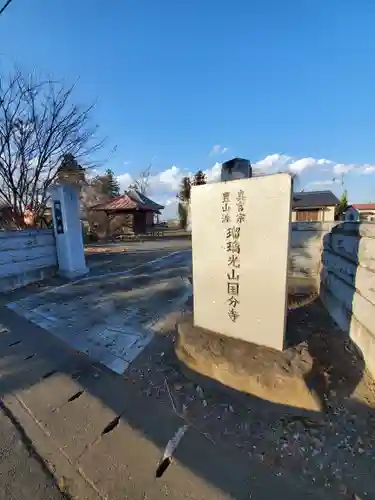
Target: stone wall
{"type": "Point", "coordinates": [306, 248]}
{"type": "Point", "coordinates": [348, 283]}
{"type": "Point", "coordinates": [340, 258]}
{"type": "Point", "coordinates": [25, 257]}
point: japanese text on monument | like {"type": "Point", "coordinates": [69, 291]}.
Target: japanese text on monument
{"type": "Point", "coordinates": [233, 248]}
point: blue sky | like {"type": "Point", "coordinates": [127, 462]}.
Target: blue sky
{"type": "Point", "coordinates": [286, 81]}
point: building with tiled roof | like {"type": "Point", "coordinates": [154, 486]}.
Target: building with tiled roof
{"type": "Point", "coordinates": [360, 212]}
{"type": "Point", "coordinates": [314, 206]}
{"type": "Point", "coordinates": [140, 209]}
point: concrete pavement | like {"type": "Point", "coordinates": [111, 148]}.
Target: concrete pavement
{"type": "Point", "coordinates": [105, 439]}
{"type": "Point", "coordinates": [23, 476]}
{"type": "Point", "coordinates": [96, 432]}
{"type": "Point", "coordinates": [112, 316]}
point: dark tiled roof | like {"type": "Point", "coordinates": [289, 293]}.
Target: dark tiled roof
{"type": "Point", "coordinates": [132, 200]}
{"type": "Point", "coordinates": [141, 198]}
{"type": "Point", "coordinates": [314, 199]}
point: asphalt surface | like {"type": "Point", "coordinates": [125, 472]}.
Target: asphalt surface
{"type": "Point", "coordinates": [22, 474]}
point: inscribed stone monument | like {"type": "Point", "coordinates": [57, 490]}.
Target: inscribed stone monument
{"type": "Point", "coordinates": [240, 236]}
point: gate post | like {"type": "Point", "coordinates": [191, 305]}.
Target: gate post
{"type": "Point", "coordinates": [66, 220]}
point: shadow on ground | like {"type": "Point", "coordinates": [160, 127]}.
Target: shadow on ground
{"type": "Point", "coordinates": [240, 444]}
{"type": "Point", "coordinates": [249, 434]}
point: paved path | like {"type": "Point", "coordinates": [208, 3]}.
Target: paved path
{"type": "Point", "coordinates": [105, 438]}
{"type": "Point", "coordinates": [112, 314]}
{"type": "Point", "coordinates": [22, 475]}
{"type": "Point", "coordinates": [96, 429]}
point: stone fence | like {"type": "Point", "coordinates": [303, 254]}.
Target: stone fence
{"type": "Point", "coordinates": [340, 256]}
{"type": "Point", "coordinates": [25, 257]}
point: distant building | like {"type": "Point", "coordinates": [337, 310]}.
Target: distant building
{"type": "Point", "coordinates": [138, 212]}
{"type": "Point", "coordinates": [360, 212]}
{"type": "Point", "coordinates": [312, 206]}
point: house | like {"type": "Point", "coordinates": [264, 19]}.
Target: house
{"type": "Point", "coordinates": [11, 220]}
{"type": "Point", "coordinates": [314, 206]}
{"type": "Point", "coordinates": [137, 212]}
{"type": "Point", "coordinates": [360, 212]}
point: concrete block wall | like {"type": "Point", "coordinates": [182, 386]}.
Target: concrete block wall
{"type": "Point", "coordinates": [340, 258]}
{"type": "Point", "coordinates": [306, 248]}
{"type": "Point", "coordinates": [25, 257]}
{"type": "Point", "coordinates": [347, 286]}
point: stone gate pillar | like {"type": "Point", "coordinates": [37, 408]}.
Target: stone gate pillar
{"type": "Point", "coordinates": [66, 219]}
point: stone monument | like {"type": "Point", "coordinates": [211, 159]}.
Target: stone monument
{"type": "Point", "coordinates": [237, 168]}
{"type": "Point", "coordinates": [235, 335]}
{"type": "Point", "coordinates": [66, 218]}
{"type": "Point", "coordinates": [240, 239]}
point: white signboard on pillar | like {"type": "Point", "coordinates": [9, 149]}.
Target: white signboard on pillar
{"type": "Point", "coordinates": [240, 236]}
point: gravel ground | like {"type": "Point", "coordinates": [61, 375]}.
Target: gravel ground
{"type": "Point", "coordinates": [333, 450]}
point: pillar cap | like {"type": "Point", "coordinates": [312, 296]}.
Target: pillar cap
{"type": "Point", "coordinates": [70, 172]}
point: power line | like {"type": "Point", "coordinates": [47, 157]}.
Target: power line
{"type": "Point", "coordinates": [4, 6]}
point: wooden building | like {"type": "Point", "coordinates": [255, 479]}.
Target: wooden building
{"type": "Point", "coordinates": [314, 206]}
{"type": "Point", "coordinates": [139, 212]}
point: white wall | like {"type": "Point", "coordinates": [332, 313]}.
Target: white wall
{"type": "Point", "coordinates": [26, 256]}
{"type": "Point", "coordinates": [328, 214]}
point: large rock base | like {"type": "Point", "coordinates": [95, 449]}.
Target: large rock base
{"type": "Point", "coordinates": [277, 377]}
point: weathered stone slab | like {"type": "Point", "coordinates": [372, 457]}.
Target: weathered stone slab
{"type": "Point", "coordinates": [240, 257]}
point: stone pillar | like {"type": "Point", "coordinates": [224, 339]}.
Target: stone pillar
{"type": "Point", "coordinates": [68, 230]}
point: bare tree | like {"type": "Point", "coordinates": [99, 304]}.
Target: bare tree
{"type": "Point", "coordinates": [142, 183]}
{"type": "Point", "coordinates": [39, 124]}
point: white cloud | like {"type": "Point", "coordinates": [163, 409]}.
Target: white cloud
{"type": "Point", "coordinates": [163, 186]}
{"type": "Point", "coordinates": [170, 179]}
{"type": "Point", "coordinates": [215, 149]}
{"type": "Point", "coordinates": [323, 183]}
{"type": "Point", "coordinates": [213, 174]}
{"type": "Point", "coordinates": [341, 168]}
{"type": "Point", "coordinates": [284, 163]}
{"type": "Point", "coordinates": [272, 163]}
{"type": "Point", "coordinates": [218, 149]}
{"type": "Point", "coordinates": [124, 180]}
